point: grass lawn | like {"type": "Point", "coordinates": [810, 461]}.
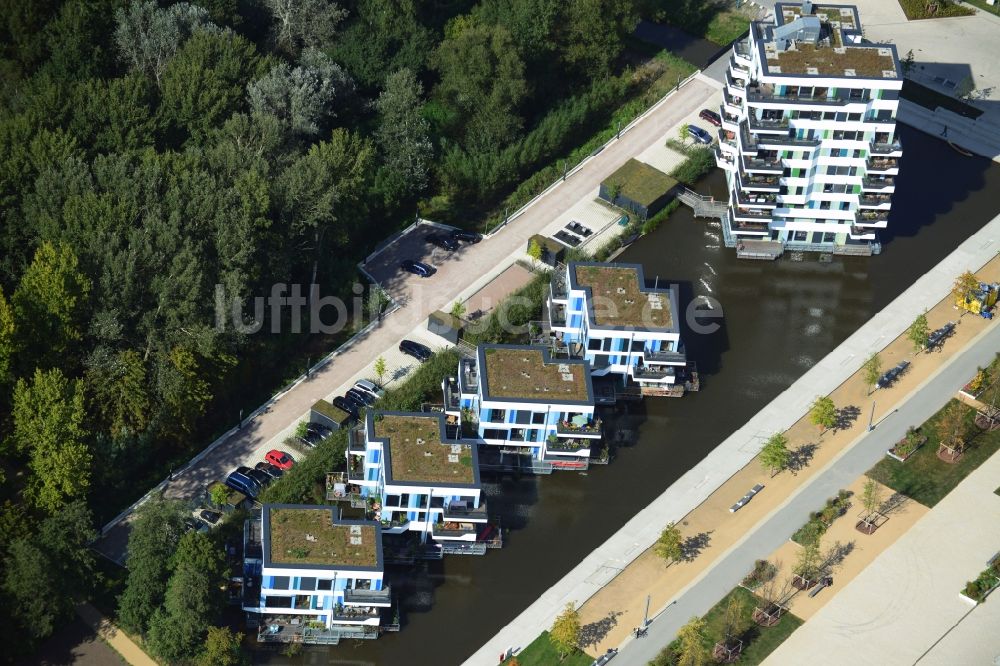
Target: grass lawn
{"type": "Point", "coordinates": [726, 27]}
{"type": "Point", "coordinates": [917, 9]}
{"type": "Point", "coordinates": [541, 653]}
{"type": "Point", "coordinates": [931, 99]}
{"type": "Point", "coordinates": [925, 478]}
{"type": "Point", "coordinates": [758, 642]}
{"type": "Point", "coordinates": [995, 9]}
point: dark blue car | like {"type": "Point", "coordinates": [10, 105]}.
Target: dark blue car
{"type": "Point", "coordinates": [700, 135]}
{"type": "Point", "coordinates": [243, 484]}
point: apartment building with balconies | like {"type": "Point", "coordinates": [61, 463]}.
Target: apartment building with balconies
{"type": "Point", "coordinates": [808, 137]}
{"type": "Point", "coordinates": [608, 315]}
{"type": "Point", "coordinates": [418, 479]}
{"type": "Point", "coordinates": [311, 577]}
{"type": "Point", "coordinates": [519, 400]}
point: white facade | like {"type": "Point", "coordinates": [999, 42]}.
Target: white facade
{"type": "Point", "coordinates": [640, 350]}
{"type": "Point", "coordinates": [808, 137]}
{"type": "Point", "coordinates": [557, 431]}
{"type": "Point", "coordinates": [331, 595]}
{"type": "Point", "coordinates": [444, 512]}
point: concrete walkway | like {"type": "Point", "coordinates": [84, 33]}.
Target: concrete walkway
{"type": "Point", "coordinates": [456, 279]}
{"type": "Point", "coordinates": [736, 451]}
{"type": "Point", "coordinates": [117, 639]}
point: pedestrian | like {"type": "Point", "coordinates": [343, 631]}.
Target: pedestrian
{"type": "Point", "coordinates": [170, 477]}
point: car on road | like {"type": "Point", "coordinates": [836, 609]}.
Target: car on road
{"type": "Point", "coordinates": [711, 117]}
{"type": "Point", "coordinates": [209, 516]}
{"type": "Point", "coordinates": [416, 350]}
{"type": "Point", "coordinates": [269, 469]}
{"type": "Point", "coordinates": [443, 242]}
{"type": "Point", "coordinates": [243, 483]}
{"type": "Point", "coordinates": [279, 459]}
{"type": "Point", "coordinates": [466, 236]}
{"type": "Point", "coordinates": [340, 402]}
{"type": "Point", "coordinates": [699, 135]}
{"type": "Point", "coordinates": [366, 399]}
{"type": "Point", "coordinates": [417, 268]}
{"type": "Point", "coordinates": [369, 387]}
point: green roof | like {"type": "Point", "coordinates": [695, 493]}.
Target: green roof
{"type": "Point", "coordinates": [521, 373]}
{"type": "Point", "coordinates": [640, 182]}
{"type": "Point", "coordinates": [332, 412]}
{"type": "Point", "coordinates": [417, 453]}
{"type": "Point", "coordinates": [309, 536]}
{"type": "Point", "coordinates": [618, 299]}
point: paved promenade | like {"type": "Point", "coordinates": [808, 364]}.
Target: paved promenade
{"type": "Point", "coordinates": [736, 451]}
{"type": "Point", "coordinates": [457, 279]}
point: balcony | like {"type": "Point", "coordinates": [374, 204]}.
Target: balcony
{"type": "Point", "coordinates": [886, 148]}
{"type": "Point", "coordinates": [468, 376]}
{"type": "Point", "coordinates": [454, 530]}
{"type": "Point", "coordinates": [752, 215]}
{"type": "Point", "coordinates": [568, 445]}
{"type": "Point", "coordinates": [396, 524]}
{"type": "Point", "coordinates": [355, 470]}
{"type": "Point", "coordinates": [557, 314]}
{"type": "Point", "coordinates": [452, 396]}
{"type": "Point", "coordinates": [728, 138]}
{"type": "Point", "coordinates": [882, 164]}
{"type": "Point", "coordinates": [767, 165]}
{"type": "Point", "coordinates": [724, 160]}
{"type": "Point", "coordinates": [738, 69]}
{"type": "Point", "coordinates": [742, 49]}
{"type": "Point", "coordinates": [671, 357]}
{"type": "Point", "coordinates": [759, 181]}
{"type": "Point", "coordinates": [756, 199]}
{"type": "Point", "coordinates": [757, 227]}
{"type": "Point", "coordinates": [381, 597]}
{"type": "Point", "coordinates": [354, 614]}
{"type": "Point", "coordinates": [735, 84]}
{"type": "Point", "coordinates": [652, 373]}
{"type": "Point", "coordinates": [872, 216]}
{"type": "Point", "coordinates": [356, 441]}
{"type": "Point", "coordinates": [459, 511]}
{"type": "Point", "coordinates": [557, 286]}
{"type": "Point", "coordinates": [871, 200]}
{"type": "Point", "coordinates": [747, 143]}
{"type": "Point", "coordinates": [766, 93]}
{"type": "Point", "coordinates": [880, 183]}
{"type": "Point", "coordinates": [735, 101]}
{"type": "Point", "coordinates": [588, 429]}
{"type": "Point", "coordinates": [786, 140]}
{"type": "Point", "coordinates": [775, 124]}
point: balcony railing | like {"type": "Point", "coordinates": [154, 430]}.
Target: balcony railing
{"type": "Point", "coordinates": [874, 199]}
{"type": "Point", "coordinates": [453, 529]}
{"type": "Point", "coordinates": [652, 372]}
{"type": "Point", "coordinates": [468, 375]}
{"type": "Point", "coordinates": [458, 512]}
{"type": "Point", "coordinates": [557, 314]}
{"type": "Point", "coordinates": [780, 140]}
{"type": "Point", "coordinates": [568, 445]}
{"type": "Point", "coordinates": [744, 199]}
{"type": "Point", "coordinates": [734, 83]}
{"type": "Point", "coordinates": [878, 183]}
{"type": "Point", "coordinates": [882, 164]}
{"type": "Point", "coordinates": [567, 428]}
{"type": "Point", "coordinates": [884, 148]}
{"type": "Point", "coordinates": [742, 48]}
{"type": "Point", "coordinates": [383, 596]}
{"type": "Point", "coordinates": [558, 285]}
{"type": "Point", "coordinates": [759, 180]}
{"type": "Point", "coordinates": [765, 93]}
{"type": "Point", "coordinates": [760, 226]}
{"type": "Point", "coordinates": [872, 216]}
{"type": "Point", "coordinates": [354, 614]}
{"type": "Point", "coordinates": [664, 357]}
{"type": "Point", "coordinates": [732, 100]}
{"type": "Point", "coordinates": [395, 522]}
{"type": "Point", "coordinates": [773, 166]}
{"type": "Point", "coordinates": [753, 214]}
{"type": "Point", "coordinates": [768, 123]}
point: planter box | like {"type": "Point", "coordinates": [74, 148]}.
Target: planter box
{"type": "Point", "coordinates": [891, 452]}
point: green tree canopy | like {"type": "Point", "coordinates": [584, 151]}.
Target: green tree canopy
{"type": "Point", "coordinates": [918, 332]}
{"type": "Point", "coordinates": [775, 455]}
{"type": "Point", "coordinates": [565, 631]}
{"type": "Point", "coordinates": [669, 545]}
{"type": "Point", "coordinates": [823, 413]}
{"type": "Point", "coordinates": [403, 136]}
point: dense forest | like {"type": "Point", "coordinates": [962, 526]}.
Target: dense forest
{"type": "Point", "coordinates": [152, 151]}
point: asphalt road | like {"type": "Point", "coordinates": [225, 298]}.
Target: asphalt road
{"type": "Point", "coordinates": [777, 529]}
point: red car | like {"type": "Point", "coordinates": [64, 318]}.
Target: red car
{"type": "Point", "coordinates": [279, 459]}
{"type": "Point", "coordinates": [710, 116]}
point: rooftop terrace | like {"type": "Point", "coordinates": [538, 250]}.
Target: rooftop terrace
{"type": "Point", "coordinates": [309, 536]}
{"type": "Point", "coordinates": [417, 454]}
{"type": "Point", "coordinates": [619, 299]}
{"type": "Point", "coordinates": [521, 373]}
{"type": "Point", "coordinates": [832, 56]}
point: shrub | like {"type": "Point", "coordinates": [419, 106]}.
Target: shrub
{"type": "Point", "coordinates": [699, 162]}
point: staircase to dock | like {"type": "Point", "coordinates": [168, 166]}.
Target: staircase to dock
{"type": "Point", "coordinates": [703, 206]}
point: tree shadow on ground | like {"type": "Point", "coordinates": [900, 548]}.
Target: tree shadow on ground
{"type": "Point", "coordinates": [837, 554]}
{"type": "Point", "coordinates": [846, 416]}
{"type": "Point", "coordinates": [894, 504]}
{"type": "Point", "coordinates": [800, 458]}
{"type": "Point", "coordinates": [595, 632]}
{"type": "Point", "coordinates": [692, 546]}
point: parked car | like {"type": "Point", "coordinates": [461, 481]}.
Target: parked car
{"type": "Point", "coordinates": [466, 236]}
{"type": "Point", "coordinates": [269, 469]}
{"type": "Point", "coordinates": [279, 459]}
{"type": "Point", "coordinates": [319, 429]}
{"type": "Point", "coordinates": [209, 516]}
{"type": "Point", "coordinates": [341, 402]}
{"type": "Point", "coordinates": [369, 388]}
{"type": "Point", "coordinates": [311, 438]}
{"type": "Point", "coordinates": [710, 116]}
{"type": "Point", "coordinates": [263, 478]}
{"type": "Point", "coordinates": [367, 399]}
{"type": "Point", "coordinates": [443, 242]}
{"type": "Point", "coordinates": [415, 349]}
{"type": "Point", "coordinates": [192, 524]}
{"type": "Point", "coordinates": [243, 484]}
{"type": "Point", "coordinates": [417, 268]}
{"type": "Point", "coordinates": [699, 134]}
{"type": "Point", "coordinates": [354, 401]}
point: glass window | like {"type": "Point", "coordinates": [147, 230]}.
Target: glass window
{"type": "Point", "coordinates": [307, 584]}
{"type": "Point", "coordinates": [538, 418]}
{"type": "Point", "coordinates": [324, 585]}
{"type": "Point", "coordinates": [280, 583]}
{"type": "Point", "coordinates": [594, 344]}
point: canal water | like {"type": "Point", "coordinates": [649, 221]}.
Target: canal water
{"type": "Point", "coordinates": [780, 318]}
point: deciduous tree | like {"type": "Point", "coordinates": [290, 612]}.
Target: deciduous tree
{"type": "Point", "coordinates": [8, 341]}
{"type": "Point", "coordinates": [380, 368]}
{"type": "Point", "coordinates": [918, 332]}
{"type": "Point", "coordinates": [823, 413]}
{"type": "Point", "coordinates": [222, 648]}
{"type": "Point", "coordinates": [565, 631]}
{"type": "Point", "coordinates": [403, 136]}
{"type": "Point", "coordinates": [147, 36]}
{"type": "Point", "coordinates": [691, 639]}
{"type": "Point", "coordinates": [774, 456]}
{"type": "Point", "coordinates": [304, 23]}
{"type": "Point", "coordinates": [48, 427]}
{"type": "Point", "coordinates": [871, 498]}
{"type": "Point", "coordinates": [120, 389]}
{"type": "Point", "coordinates": [871, 370]}
{"type": "Point", "coordinates": [669, 545]}
{"type": "Point", "coordinates": [966, 286]}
